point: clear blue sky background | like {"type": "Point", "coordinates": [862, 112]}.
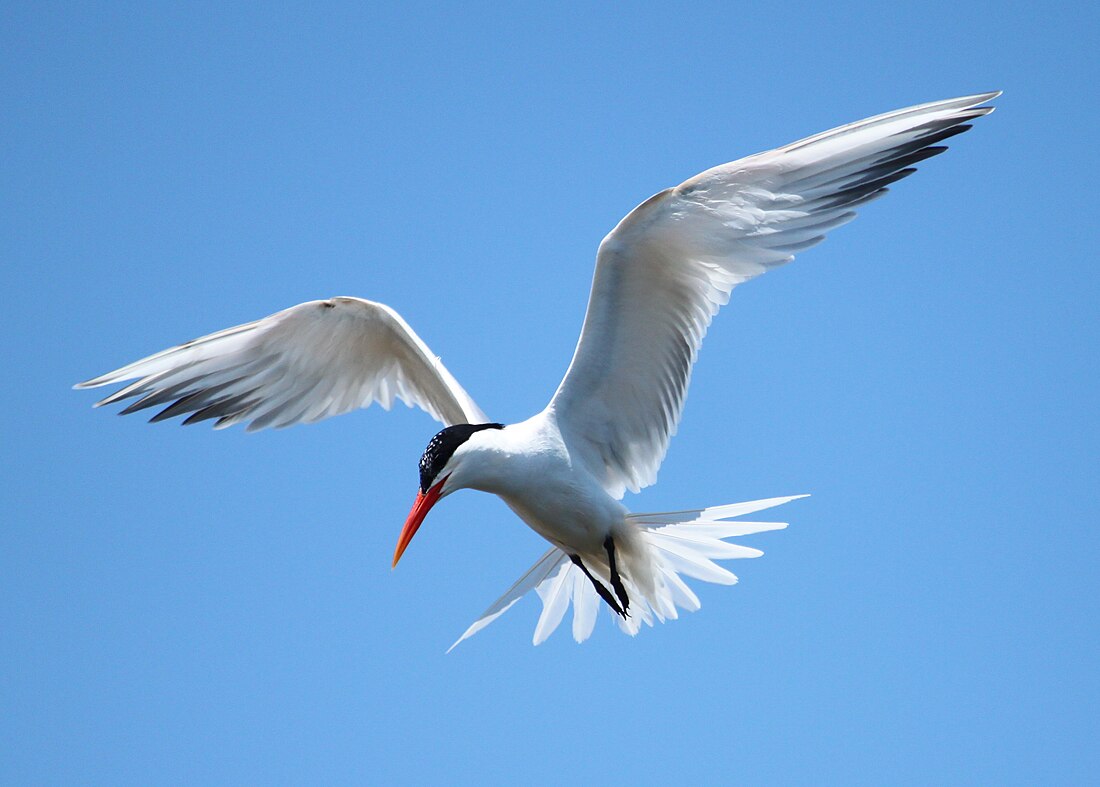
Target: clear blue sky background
{"type": "Point", "coordinates": [180, 605]}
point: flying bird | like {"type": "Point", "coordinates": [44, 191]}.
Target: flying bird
{"type": "Point", "coordinates": [661, 276]}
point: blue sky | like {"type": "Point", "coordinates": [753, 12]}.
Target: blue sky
{"type": "Point", "coordinates": [180, 605]}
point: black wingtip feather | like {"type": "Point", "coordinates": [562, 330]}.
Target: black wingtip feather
{"type": "Point", "coordinates": [222, 409]}
{"type": "Point", "coordinates": [855, 195]}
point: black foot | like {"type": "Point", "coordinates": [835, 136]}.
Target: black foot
{"type": "Point", "coordinates": [605, 594]}
{"type": "Point", "coordinates": [616, 580]}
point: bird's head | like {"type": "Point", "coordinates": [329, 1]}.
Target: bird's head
{"type": "Point", "coordinates": [440, 474]}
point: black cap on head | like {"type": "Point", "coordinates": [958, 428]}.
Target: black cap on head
{"type": "Point", "coordinates": [442, 448]}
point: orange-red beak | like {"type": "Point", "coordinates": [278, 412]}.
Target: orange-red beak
{"type": "Point", "coordinates": [420, 509]}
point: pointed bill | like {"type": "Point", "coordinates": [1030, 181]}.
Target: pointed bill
{"type": "Point", "coordinates": [421, 507]}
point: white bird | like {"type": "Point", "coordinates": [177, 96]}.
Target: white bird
{"type": "Point", "coordinates": [661, 275]}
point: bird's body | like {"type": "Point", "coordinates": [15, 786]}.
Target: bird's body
{"type": "Point", "coordinates": [661, 275]}
{"type": "Point", "coordinates": [529, 466]}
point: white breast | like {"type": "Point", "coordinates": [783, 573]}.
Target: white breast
{"type": "Point", "coordinates": [530, 467]}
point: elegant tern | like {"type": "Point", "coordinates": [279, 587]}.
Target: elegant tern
{"type": "Point", "coordinates": [661, 276]}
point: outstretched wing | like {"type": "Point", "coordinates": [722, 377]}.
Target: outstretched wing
{"type": "Point", "coordinates": [299, 365]}
{"type": "Point", "coordinates": [663, 273]}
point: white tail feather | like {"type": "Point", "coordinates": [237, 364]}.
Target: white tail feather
{"type": "Point", "coordinates": [671, 543]}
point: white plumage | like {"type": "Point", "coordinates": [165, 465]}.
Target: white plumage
{"type": "Point", "coordinates": [299, 365]}
{"type": "Point", "coordinates": [680, 542]}
{"type": "Point", "coordinates": [661, 276]}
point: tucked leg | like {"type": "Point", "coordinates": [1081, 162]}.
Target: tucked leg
{"type": "Point", "coordinates": [616, 580]}
{"type": "Point", "coordinates": [605, 594]}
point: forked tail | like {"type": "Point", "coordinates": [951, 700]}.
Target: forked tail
{"type": "Point", "coordinates": [674, 543]}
